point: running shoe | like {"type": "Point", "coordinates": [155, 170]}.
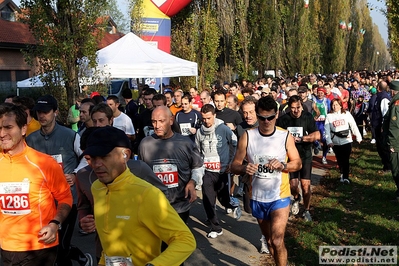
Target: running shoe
{"type": "Point", "coordinates": [372, 141]}
{"type": "Point", "coordinates": [295, 205]}
{"type": "Point", "coordinates": [341, 178]}
{"type": "Point", "coordinates": [263, 246]}
{"type": "Point", "coordinates": [229, 210]}
{"type": "Point", "coordinates": [214, 234]}
{"type": "Point", "coordinates": [234, 201]}
{"type": "Point", "coordinates": [307, 216]}
{"type": "Point", "coordinates": [347, 181]}
{"type": "Point", "coordinates": [237, 213]}
{"type": "Point", "coordinates": [324, 160]}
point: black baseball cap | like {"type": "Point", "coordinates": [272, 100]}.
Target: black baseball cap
{"type": "Point", "coordinates": [46, 103]}
{"type": "Point", "coordinates": [104, 139]}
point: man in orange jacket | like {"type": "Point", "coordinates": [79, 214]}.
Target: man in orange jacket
{"type": "Point", "coordinates": [29, 186]}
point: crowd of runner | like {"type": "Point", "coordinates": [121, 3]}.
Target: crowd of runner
{"type": "Point", "coordinates": [249, 140]}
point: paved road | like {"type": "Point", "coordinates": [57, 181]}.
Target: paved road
{"type": "Point", "coordinates": [239, 243]}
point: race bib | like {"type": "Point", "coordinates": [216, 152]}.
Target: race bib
{"type": "Point", "coordinates": [118, 261]}
{"type": "Point", "coordinates": [296, 132]}
{"type": "Point", "coordinates": [263, 170]}
{"type": "Point", "coordinates": [185, 129]}
{"type": "Point", "coordinates": [58, 158]}
{"type": "Point", "coordinates": [14, 198]}
{"type": "Point", "coordinates": [212, 163]}
{"type": "Point", "coordinates": [168, 174]}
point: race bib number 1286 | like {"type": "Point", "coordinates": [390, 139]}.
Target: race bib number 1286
{"type": "Point", "coordinates": [14, 198]}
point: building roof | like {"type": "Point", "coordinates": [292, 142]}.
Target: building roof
{"type": "Point", "coordinates": [12, 32]}
{"type": "Point", "coordinates": [12, 5]}
{"type": "Point", "coordinates": [109, 38]}
{"type": "Point", "coordinates": [17, 33]}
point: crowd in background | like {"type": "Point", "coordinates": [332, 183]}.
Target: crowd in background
{"type": "Point", "coordinates": [342, 107]}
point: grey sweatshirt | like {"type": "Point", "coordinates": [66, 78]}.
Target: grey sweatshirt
{"type": "Point", "coordinates": [216, 143]}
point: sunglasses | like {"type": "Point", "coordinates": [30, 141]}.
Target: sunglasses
{"type": "Point", "coordinates": [264, 118]}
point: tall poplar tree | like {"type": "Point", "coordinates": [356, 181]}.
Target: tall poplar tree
{"type": "Point", "coordinates": [393, 28]}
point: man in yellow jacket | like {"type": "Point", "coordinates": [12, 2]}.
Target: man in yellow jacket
{"type": "Point", "coordinates": [132, 216]}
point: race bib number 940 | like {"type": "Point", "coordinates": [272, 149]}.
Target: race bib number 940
{"type": "Point", "coordinates": [14, 198]}
{"type": "Point", "coordinates": [168, 174]}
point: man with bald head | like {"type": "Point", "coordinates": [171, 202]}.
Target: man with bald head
{"type": "Point", "coordinates": [206, 98]}
{"type": "Point", "coordinates": [175, 159]}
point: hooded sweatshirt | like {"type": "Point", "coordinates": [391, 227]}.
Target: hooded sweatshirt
{"type": "Point", "coordinates": [217, 144]}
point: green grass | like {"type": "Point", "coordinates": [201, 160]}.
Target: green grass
{"type": "Point", "coordinates": [363, 213]}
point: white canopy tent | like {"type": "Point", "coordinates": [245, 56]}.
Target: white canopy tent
{"type": "Point", "coordinates": [132, 57]}
{"type": "Point", "coordinates": [33, 82]}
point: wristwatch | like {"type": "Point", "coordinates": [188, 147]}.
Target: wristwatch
{"type": "Point", "coordinates": [56, 222]}
{"type": "Point", "coordinates": [285, 165]}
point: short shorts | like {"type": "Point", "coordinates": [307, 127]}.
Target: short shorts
{"type": "Point", "coordinates": [262, 210]}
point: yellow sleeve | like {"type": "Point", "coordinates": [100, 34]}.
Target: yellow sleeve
{"type": "Point", "coordinates": [162, 219]}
